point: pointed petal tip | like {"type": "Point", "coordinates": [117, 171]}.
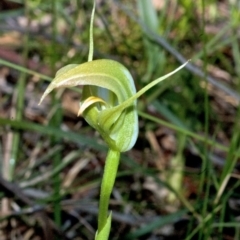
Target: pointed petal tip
{"type": "Point", "coordinates": [41, 99]}
{"type": "Point", "coordinates": [79, 112]}
{"type": "Point", "coordinates": [47, 91]}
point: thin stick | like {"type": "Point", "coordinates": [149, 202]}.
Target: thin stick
{"type": "Point", "coordinates": [91, 43]}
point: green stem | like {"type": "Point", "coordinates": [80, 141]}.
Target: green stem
{"type": "Point", "coordinates": [109, 176]}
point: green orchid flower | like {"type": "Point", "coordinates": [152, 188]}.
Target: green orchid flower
{"type": "Point", "coordinates": [108, 99]}
{"type": "Point", "coordinates": [107, 84]}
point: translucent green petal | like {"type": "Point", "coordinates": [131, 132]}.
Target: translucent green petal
{"type": "Point", "coordinates": [65, 69]}
{"type": "Point", "coordinates": [103, 73]}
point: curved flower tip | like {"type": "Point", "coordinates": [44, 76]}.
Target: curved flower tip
{"type": "Point", "coordinates": [54, 83]}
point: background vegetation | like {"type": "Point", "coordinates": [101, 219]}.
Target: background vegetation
{"type": "Point", "coordinates": [181, 180]}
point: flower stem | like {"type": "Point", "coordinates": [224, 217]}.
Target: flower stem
{"type": "Point", "coordinates": [109, 176]}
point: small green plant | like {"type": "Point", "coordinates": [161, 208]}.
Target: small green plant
{"type": "Point", "coordinates": [108, 104]}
